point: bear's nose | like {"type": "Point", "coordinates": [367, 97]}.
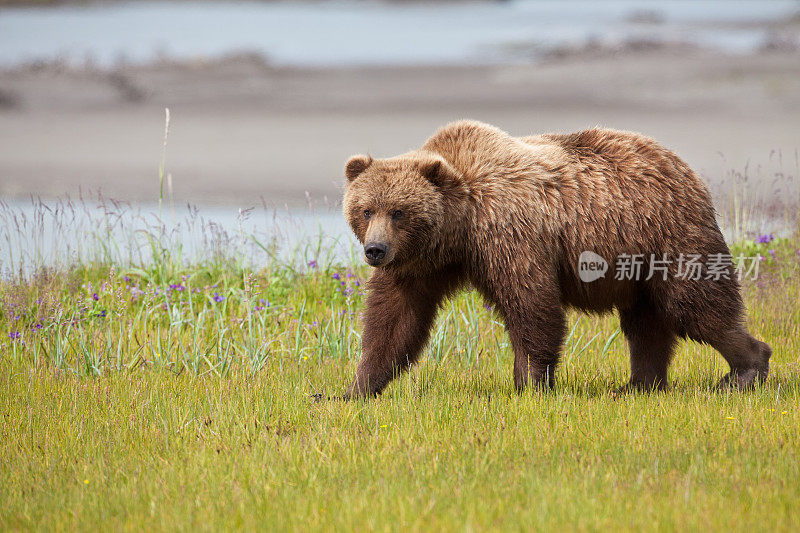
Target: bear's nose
{"type": "Point", "coordinates": [374, 251]}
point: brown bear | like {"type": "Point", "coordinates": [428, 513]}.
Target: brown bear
{"type": "Point", "coordinates": [524, 221]}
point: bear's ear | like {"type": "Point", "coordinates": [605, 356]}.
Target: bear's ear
{"type": "Point", "coordinates": [436, 171]}
{"type": "Point", "coordinates": [356, 165]}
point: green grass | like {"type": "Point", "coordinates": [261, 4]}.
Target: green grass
{"type": "Point", "coordinates": [156, 408]}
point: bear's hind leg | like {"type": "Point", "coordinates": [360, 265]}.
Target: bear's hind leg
{"type": "Point", "coordinates": [712, 311]}
{"type": "Point", "coordinates": [651, 341]}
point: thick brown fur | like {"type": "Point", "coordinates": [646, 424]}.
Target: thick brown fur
{"type": "Point", "coordinates": [510, 217]}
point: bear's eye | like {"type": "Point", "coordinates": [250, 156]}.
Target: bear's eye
{"type": "Point", "coordinates": [397, 215]}
{"type": "Point", "coordinates": [367, 213]}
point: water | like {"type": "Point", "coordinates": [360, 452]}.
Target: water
{"type": "Point", "coordinates": [62, 233]}
{"type": "Point", "coordinates": [362, 33]}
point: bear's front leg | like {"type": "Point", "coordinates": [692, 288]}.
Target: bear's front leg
{"type": "Point", "coordinates": [397, 322]}
{"type": "Point", "coordinates": [536, 327]}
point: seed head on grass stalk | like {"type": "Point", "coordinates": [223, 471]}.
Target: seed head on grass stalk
{"type": "Point", "coordinates": [162, 164]}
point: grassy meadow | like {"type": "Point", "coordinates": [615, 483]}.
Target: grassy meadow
{"type": "Point", "coordinates": [173, 394]}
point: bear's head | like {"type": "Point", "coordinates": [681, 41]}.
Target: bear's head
{"type": "Point", "coordinates": [396, 205]}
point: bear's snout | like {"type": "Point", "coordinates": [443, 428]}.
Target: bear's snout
{"type": "Point", "coordinates": [375, 253]}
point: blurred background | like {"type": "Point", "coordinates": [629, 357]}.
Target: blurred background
{"type": "Point", "coordinates": [268, 99]}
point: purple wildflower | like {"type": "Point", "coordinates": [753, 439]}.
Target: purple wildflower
{"type": "Point", "coordinates": [312, 263]}
{"type": "Point", "coordinates": [336, 275]}
{"type": "Point", "coordinates": [101, 314]}
{"type": "Point", "coordinates": [15, 335]}
{"type": "Point", "coordinates": [765, 239]}
{"type": "Point", "coordinates": [95, 297]}
{"type": "Point", "coordinates": [218, 298]}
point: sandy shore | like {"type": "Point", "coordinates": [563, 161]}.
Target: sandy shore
{"type": "Point", "coordinates": [242, 130]}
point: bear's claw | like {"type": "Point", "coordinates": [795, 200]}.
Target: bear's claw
{"type": "Point", "coordinates": [741, 379]}
{"type": "Point", "coordinates": [639, 387]}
